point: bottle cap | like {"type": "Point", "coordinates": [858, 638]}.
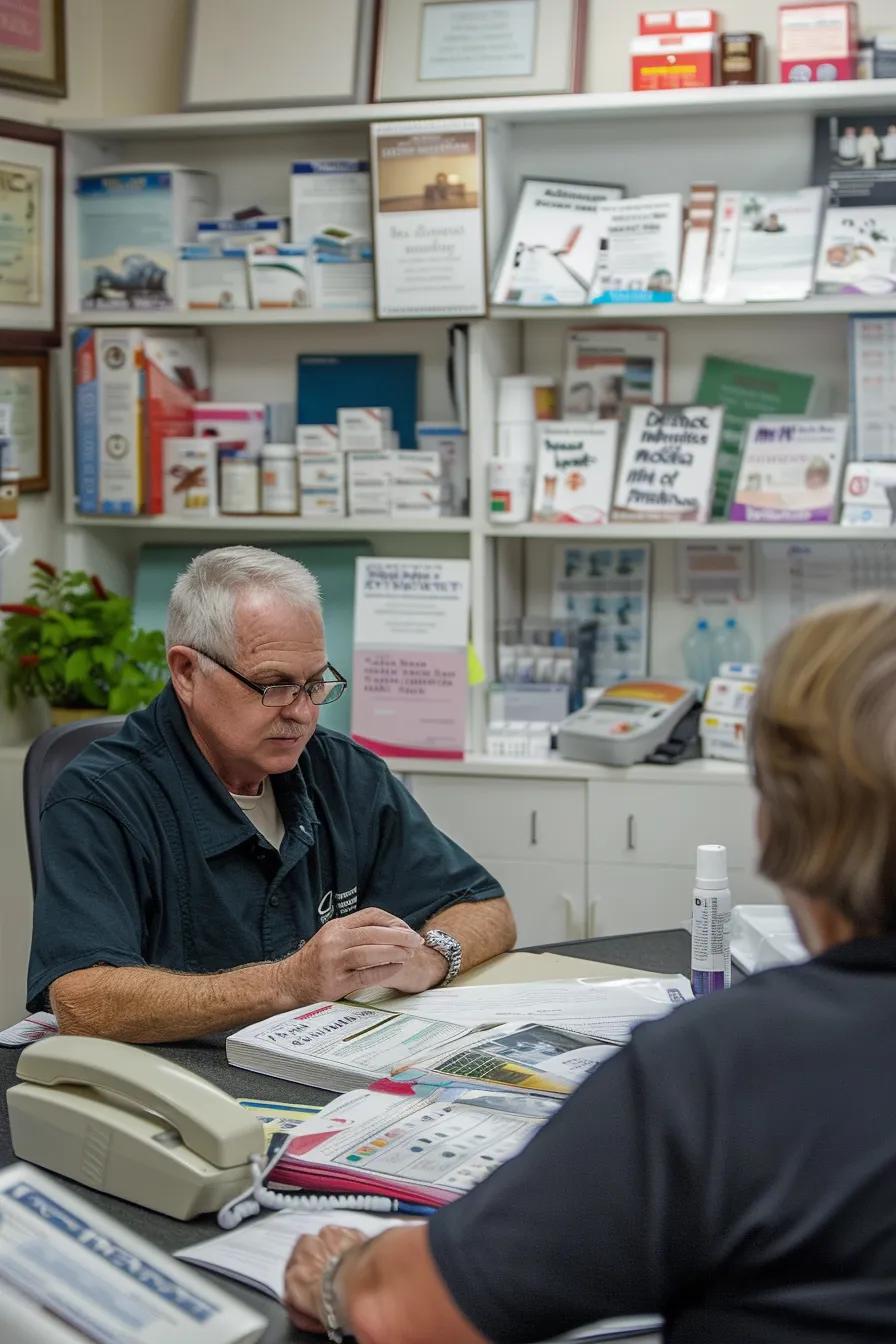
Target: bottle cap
{"type": "Point", "coordinates": [731, 622]}
{"type": "Point", "coordinates": [712, 863]}
{"type": "Point", "coordinates": [703, 624]}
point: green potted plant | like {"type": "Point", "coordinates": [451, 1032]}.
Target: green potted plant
{"type": "Point", "coordinates": [72, 642]}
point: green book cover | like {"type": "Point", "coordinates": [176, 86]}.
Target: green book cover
{"type": "Point", "coordinates": [746, 391]}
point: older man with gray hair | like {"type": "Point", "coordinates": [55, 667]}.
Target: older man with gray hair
{"type": "Point", "coordinates": [222, 858]}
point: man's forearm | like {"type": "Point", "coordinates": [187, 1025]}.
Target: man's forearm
{"type": "Point", "coordinates": [484, 929]}
{"type": "Point", "coordinates": [147, 1004]}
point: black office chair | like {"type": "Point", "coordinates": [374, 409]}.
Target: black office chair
{"type": "Point", "coordinates": [47, 757]}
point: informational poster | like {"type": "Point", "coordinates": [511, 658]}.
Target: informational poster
{"type": "Point", "coordinates": [429, 244]}
{"type": "Point", "coordinates": [764, 246]}
{"type": "Point", "coordinates": [464, 41]}
{"type": "Point", "coordinates": [610, 368]}
{"type": "Point", "coordinates": [639, 250]}
{"type": "Point", "coordinates": [667, 466]}
{"type": "Point", "coordinates": [858, 251]}
{"type": "Point", "coordinates": [608, 588]}
{"type": "Point", "coordinates": [409, 691]}
{"type": "Point", "coordinates": [574, 470]}
{"type": "Point", "coordinates": [855, 157]}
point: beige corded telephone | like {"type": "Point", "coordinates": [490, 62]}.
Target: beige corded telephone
{"type": "Point", "coordinates": [129, 1123]}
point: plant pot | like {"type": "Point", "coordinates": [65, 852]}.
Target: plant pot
{"type": "Point", "coordinates": [60, 714]}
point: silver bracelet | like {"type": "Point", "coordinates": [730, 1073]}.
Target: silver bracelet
{"type": "Point", "coordinates": [328, 1313]}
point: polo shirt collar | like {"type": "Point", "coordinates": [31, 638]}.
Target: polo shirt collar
{"type": "Point", "coordinates": [863, 954]}
{"type": "Point", "coordinates": [220, 822]}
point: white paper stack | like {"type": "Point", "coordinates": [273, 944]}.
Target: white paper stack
{"type": "Point", "coordinates": [763, 936]}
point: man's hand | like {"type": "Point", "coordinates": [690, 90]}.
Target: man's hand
{"type": "Point", "coordinates": [364, 948]}
{"type": "Point", "coordinates": [304, 1270]}
{"type": "Point", "coordinates": [426, 969]}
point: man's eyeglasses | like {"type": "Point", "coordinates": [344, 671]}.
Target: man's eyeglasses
{"type": "Point", "coordinates": [322, 690]}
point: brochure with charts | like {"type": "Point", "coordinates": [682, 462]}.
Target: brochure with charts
{"type": "Point", "coordinates": [858, 251]}
{"type": "Point", "coordinates": [610, 368]}
{"type": "Point", "coordinates": [640, 250]}
{"type": "Point", "coordinates": [574, 470]}
{"type": "Point", "coordinates": [550, 252]}
{"type": "Point", "coordinates": [790, 471]}
{"type": "Point", "coordinates": [667, 468]}
{"type": "Point", "coordinates": [872, 366]}
{"type": "Point", "coordinates": [764, 246]}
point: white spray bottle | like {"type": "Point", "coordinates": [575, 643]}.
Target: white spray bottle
{"type": "Point", "coordinates": [710, 923]}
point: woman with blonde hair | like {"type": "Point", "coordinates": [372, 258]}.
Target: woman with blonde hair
{"type": "Point", "coordinates": [734, 1167]}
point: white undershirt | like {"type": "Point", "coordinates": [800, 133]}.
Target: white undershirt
{"type": "Point", "coordinates": [263, 812]}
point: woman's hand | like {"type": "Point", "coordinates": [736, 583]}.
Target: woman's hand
{"type": "Point", "coordinates": [304, 1271]}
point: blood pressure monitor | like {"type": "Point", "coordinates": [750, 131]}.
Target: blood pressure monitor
{"type": "Point", "coordinates": [626, 723]}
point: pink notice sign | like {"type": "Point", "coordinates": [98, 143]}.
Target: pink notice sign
{"type": "Point", "coordinates": [21, 24]}
{"type": "Point", "coordinates": [408, 702]}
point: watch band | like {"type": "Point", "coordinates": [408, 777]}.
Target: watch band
{"type": "Point", "coordinates": [329, 1313]}
{"type": "Point", "coordinates": [448, 947]}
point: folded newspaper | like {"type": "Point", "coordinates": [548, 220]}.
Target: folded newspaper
{"type": "Point", "coordinates": [340, 1046]}
{"type": "Point", "coordinates": [69, 1262]}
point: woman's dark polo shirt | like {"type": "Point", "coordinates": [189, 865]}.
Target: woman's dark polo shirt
{"type": "Point", "coordinates": [149, 861]}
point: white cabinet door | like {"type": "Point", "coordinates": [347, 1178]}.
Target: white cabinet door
{"type": "Point", "coordinates": [664, 823]}
{"type": "Point", "coordinates": [511, 818]}
{"type": "Point", "coordinates": [633, 898]}
{"type": "Point", "coordinates": [547, 899]}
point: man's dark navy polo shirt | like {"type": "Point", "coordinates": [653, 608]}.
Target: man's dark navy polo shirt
{"type": "Point", "coordinates": [148, 860]}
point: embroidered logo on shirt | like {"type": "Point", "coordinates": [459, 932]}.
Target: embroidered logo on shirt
{"type": "Point", "coordinates": [340, 903]}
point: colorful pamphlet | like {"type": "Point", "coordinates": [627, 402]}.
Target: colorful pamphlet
{"type": "Point", "coordinates": [611, 368]}
{"type": "Point", "coordinates": [668, 464]}
{"type": "Point", "coordinates": [409, 688]}
{"type": "Point", "coordinates": [790, 470]}
{"type": "Point", "coordinates": [855, 158]}
{"type": "Point", "coordinates": [550, 252]}
{"type": "Point", "coordinates": [639, 250]}
{"type": "Point", "coordinates": [746, 391]}
{"type": "Point", "coordinates": [872, 364]}
{"type": "Point", "coordinates": [858, 251]}
{"type": "Point", "coordinates": [574, 470]}
{"type": "Point", "coordinates": [764, 246]}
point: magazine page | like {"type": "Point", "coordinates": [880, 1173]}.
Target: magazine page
{"type": "Point", "coordinates": [550, 253]}
{"type": "Point", "coordinates": [640, 250]}
{"type": "Point", "coordinates": [435, 1146]}
{"type": "Point", "coordinates": [858, 251]}
{"type": "Point", "coordinates": [774, 254]}
{"type": "Point", "coordinates": [790, 471]}
{"type": "Point", "coordinates": [515, 1056]}
{"type": "Point", "coordinates": [337, 1037]}
{"type": "Point", "coordinates": [574, 471]}
{"type": "Point", "coordinates": [89, 1270]}
{"type": "Point", "coordinates": [602, 1009]}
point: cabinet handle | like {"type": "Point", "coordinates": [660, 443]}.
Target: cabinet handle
{"type": "Point", "coordinates": [630, 831]}
{"type": "Point", "coordinates": [533, 828]}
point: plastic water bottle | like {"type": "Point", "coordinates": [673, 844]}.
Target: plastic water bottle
{"type": "Point", "coordinates": [732, 644]}
{"type": "Point", "coordinates": [711, 922]}
{"type": "Point", "coordinates": [699, 652]}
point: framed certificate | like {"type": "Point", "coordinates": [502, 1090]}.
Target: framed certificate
{"type": "Point", "coordinates": [24, 388]}
{"type": "Point", "coordinates": [32, 47]}
{"type": "Point", "coordinates": [464, 48]}
{"type": "Point", "coordinates": [30, 235]}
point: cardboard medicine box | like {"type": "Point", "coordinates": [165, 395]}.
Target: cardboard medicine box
{"type": "Point", "coordinates": [818, 42]}
{"type": "Point", "coordinates": [655, 22]}
{"type": "Point", "coordinates": [213, 279]}
{"type": "Point", "coordinates": [674, 61]}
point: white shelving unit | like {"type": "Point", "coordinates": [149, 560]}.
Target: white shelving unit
{"type": "Point", "coordinates": [750, 138]}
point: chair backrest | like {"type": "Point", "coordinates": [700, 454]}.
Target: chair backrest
{"type": "Point", "coordinates": [47, 757]}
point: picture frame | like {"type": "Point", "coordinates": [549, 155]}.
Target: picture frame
{"type": "Point", "coordinates": [295, 52]}
{"type": "Point", "coordinates": [427, 49]}
{"type": "Point", "coordinates": [33, 47]}
{"type": "Point", "coordinates": [31, 236]}
{"type": "Point", "coordinates": [25, 385]}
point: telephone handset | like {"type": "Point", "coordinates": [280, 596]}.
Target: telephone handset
{"type": "Point", "coordinates": [126, 1122]}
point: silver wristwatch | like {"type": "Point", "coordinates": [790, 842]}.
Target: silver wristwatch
{"type": "Point", "coordinates": [448, 947]}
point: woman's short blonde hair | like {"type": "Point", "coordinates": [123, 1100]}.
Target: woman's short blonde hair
{"type": "Point", "coordinates": [823, 746]}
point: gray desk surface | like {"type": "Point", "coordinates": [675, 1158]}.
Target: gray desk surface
{"type": "Point", "coordinates": [668, 951]}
